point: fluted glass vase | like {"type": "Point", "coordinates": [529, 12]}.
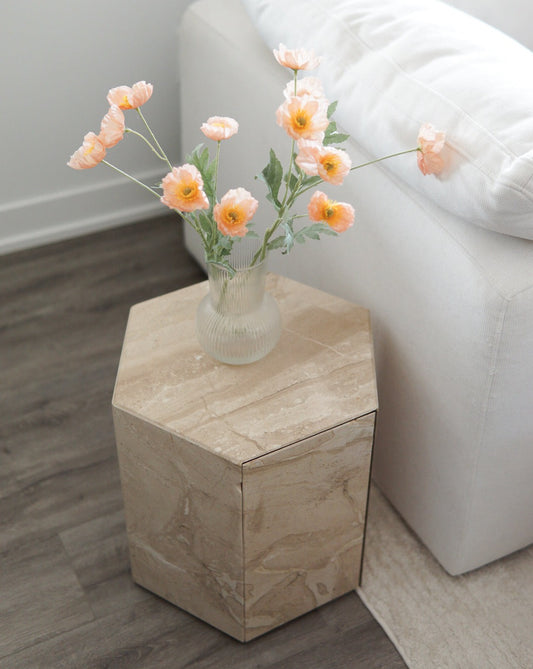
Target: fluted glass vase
{"type": "Point", "coordinates": [238, 322]}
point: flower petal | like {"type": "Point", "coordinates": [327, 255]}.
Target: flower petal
{"type": "Point", "coordinates": [296, 59]}
{"type": "Point", "coordinates": [303, 117]}
{"type": "Point", "coordinates": [183, 189]}
{"type": "Point", "coordinates": [234, 211]}
{"type": "Point", "coordinates": [338, 215]}
{"type": "Point", "coordinates": [219, 127]}
{"type": "Point", "coordinates": [112, 127]}
{"type": "Point", "coordinates": [90, 153]}
{"type": "Point", "coordinates": [142, 92]}
{"type": "Point", "coordinates": [121, 96]}
{"type": "Point", "coordinates": [430, 144]}
{"type": "Point", "coordinates": [130, 97]}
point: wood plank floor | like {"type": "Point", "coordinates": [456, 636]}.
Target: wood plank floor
{"type": "Point", "coordinates": [66, 596]}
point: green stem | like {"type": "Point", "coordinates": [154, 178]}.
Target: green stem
{"type": "Point", "coordinates": [356, 167]}
{"type": "Point", "coordinates": [154, 138]}
{"type": "Point", "coordinates": [392, 155]}
{"type": "Point", "coordinates": [296, 192]}
{"type": "Point", "coordinates": [217, 159]}
{"type": "Point", "coordinates": [128, 176]}
{"type": "Point", "coordinates": [138, 134]}
{"type": "Point", "coordinates": [182, 214]}
{"type": "Point", "coordinates": [194, 225]}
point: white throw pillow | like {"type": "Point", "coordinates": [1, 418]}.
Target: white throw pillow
{"type": "Point", "coordinates": [513, 17]}
{"type": "Point", "coordinates": [395, 64]}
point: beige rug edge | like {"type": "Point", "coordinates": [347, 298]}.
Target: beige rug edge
{"type": "Point", "coordinates": [483, 619]}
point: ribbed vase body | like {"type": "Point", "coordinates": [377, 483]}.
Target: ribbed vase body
{"type": "Point", "coordinates": [238, 322]}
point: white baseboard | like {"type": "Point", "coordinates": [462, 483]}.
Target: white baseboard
{"type": "Point", "coordinates": [41, 220]}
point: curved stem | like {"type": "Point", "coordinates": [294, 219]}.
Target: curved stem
{"type": "Point", "coordinates": [154, 138]}
{"type": "Point", "coordinates": [392, 155]}
{"type": "Point", "coordinates": [217, 159]}
{"type": "Point", "coordinates": [138, 134]}
{"type": "Point", "coordinates": [356, 167]}
{"type": "Point", "coordinates": [128, 176]}
{"type": "Point", "coordinates": [197, 228]}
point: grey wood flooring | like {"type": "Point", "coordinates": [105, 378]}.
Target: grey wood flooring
{"type": "Point", "coordinates": [66, 596]}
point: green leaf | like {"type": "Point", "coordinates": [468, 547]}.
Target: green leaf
{"type": "Point", "coordinates": [272, 175]}
{"type": "Point", "coordinates": [205, 222]}
{"type": "Point", "coordinates": [332, 108]}
{"type": "Point", "coordinates": [313, 232]}
{"type": "Point", "coordinates": [320, 229]}
{"type": "Point", "coordinates": [292, 181]}
{"type": "Point", "coordinates": [276, 243]}
{"type": "Point", "coordinates": [335, 138]}
{"type": "Point", "coordinates": [194, 153]}
{"type": "Point", "coordinates": [225, 242]}
{"type": "Point", "coordinates": [289, 235]}
{"type": "Point", "coordinates": [224, 265]}
{"type": "Point", "coordinates": [310, 181]}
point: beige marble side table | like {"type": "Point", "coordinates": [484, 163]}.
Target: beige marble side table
{"type": "Point", "coordinates": [245, 488]}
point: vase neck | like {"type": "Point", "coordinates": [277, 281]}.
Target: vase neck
{"type": "Point", "coordinates": [240, 293]}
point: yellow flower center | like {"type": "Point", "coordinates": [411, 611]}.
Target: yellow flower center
{"type": "Point", "coordinates": [330, 163]}
{"type": "Point", "coordinates": [125, 104]}
{"type": "Point", "coordinates": [329, 209]}
{"type": "Point", "coordinates": [188, 191]}
{"type": "Point", "coordinates": [233, 216]}
{"type": "Point", "coordinates": [301, 120]}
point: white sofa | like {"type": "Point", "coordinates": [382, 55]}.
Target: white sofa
{"type": "Point", "coordinates": [445, 265]}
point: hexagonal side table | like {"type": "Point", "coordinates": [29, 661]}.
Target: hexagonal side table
{"type": "Point", "coordinates": [245, 488]}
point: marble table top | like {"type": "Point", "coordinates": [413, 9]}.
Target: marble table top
{"type": "Point", "coordinates": [320, 375]}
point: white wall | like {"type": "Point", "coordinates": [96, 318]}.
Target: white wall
{"type": "Point", "coordinates": [58, 60]}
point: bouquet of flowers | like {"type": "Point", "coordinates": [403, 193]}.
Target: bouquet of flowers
{"type": "Point", "coordinates": [315, 157]}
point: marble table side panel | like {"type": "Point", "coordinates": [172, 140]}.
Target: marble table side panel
{"type": "Point", "coordinates": [183, 508]}
{"type": "Point", "coordinates": [304, 517]}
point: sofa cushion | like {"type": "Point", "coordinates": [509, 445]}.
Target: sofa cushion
{"type": "Point", "coordinates": [395, 64]}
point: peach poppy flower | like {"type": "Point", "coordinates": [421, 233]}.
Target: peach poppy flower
{"type": "Point", "coordinates": [112, 127]}
{"type": "Point", "coordinates": [90, 153]}
{"type": "Point", "coordinates": [305, 86]}
{"type": "Point", "coordinates": [183, 189]}
{"type": "Point", "coordinates": [303, 117]}
{"type": "Point", "coordinates": [338, 215]}
{"type": "Point", "coordinates": [127, 97]}
{"type": "Point", "coordinates": [331, 164]}
{"type": "Point", "coordinates": [430, 144]}
{"type": "Point", "coordinates": [234, 211]}
{"type": "Point", "coordinates": [296, 59]}
{"type": "Point", "coordinates": [219, 127]}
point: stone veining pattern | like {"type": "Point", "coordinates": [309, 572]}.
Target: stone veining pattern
{"type": "Point", "coordinates": [245, 488]}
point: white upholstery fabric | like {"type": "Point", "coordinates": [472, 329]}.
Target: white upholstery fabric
{"type": "Point", "coordinates": [451, 306]}
{"type": "Point", "coordinates": [513, 17]}
{"type": "Point", "coordinates": [395, 64]}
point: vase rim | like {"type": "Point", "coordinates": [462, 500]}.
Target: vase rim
{"type": "Point", "coordinates": [241, 256]}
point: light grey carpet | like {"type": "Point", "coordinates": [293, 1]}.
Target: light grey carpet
{"type": "Point", "coordinates": [480, 620]}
